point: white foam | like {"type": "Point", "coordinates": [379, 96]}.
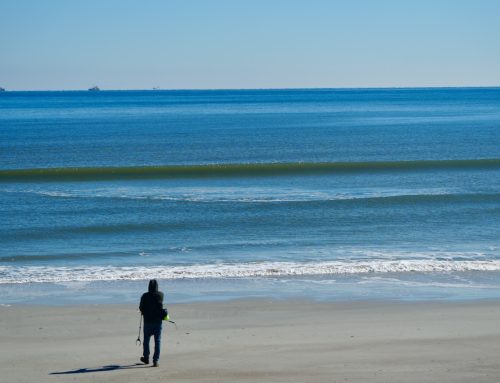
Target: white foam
{"type": "Point", "coordinates": [29, 274]}
{"type": "Point", "coordinates": [242, 194]}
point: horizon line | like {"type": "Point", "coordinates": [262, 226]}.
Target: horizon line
{"type": "Point", "coordinates": [264, 88]}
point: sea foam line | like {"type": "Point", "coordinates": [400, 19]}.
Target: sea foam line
{"type": "Point", "coordinates": [49, 274]}
{"type": "Point", "coordinates": [242, 195]}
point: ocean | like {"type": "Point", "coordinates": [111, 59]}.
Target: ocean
{"type": "Point", "coordinates": [329, 194]}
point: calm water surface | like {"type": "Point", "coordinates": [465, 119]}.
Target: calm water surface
{"type": "Point", "coordinates": [416, 217]}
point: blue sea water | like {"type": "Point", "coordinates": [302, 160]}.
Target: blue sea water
{"type": "Point", "coordinates": [324, 193]}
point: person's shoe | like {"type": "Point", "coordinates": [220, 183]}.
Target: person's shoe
{"type": "Point", "coordinates": [144, 360]}
{"type": "Point", "coordinates": [156, 364]}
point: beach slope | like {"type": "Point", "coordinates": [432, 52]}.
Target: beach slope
{"type": "Point", "coordinates": [257, 341]}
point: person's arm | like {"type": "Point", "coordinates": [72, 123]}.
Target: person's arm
{"type": "Point", "coordinates": [159, 304]}
{"type": "Point", "coordinates": [141, 305]}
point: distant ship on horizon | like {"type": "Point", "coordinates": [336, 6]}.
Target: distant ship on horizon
{"type": "Point", "coordinates": [94, 89]}
{"type": "Point", "coordinates": [2, 89]}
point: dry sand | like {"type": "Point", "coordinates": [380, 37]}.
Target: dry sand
{"type": "Point", "coordinates": [257, 341]}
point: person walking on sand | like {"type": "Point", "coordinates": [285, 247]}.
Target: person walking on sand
{"type": "Point", "coordinates": [151, 308]}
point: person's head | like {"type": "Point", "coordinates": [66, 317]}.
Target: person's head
{"type": "Point", "coordinates": [153, 286]}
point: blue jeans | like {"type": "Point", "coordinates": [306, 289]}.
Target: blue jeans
{"type": "Point", "coordinates": [152, 330]}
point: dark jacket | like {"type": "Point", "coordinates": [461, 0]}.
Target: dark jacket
{"type": "Point", "coordinates": [151, 305]}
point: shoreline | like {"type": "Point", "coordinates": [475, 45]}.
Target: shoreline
{"type": "Point", "coordinates": [256, 340]}
{"type": "Point", "coordinates": [405, 287]}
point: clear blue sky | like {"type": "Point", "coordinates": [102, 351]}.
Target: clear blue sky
{"type": "Point", "coordinates": [183, 44]}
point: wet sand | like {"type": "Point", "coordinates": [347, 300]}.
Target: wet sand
{"type": "Point", "coordinates": [257, 341]}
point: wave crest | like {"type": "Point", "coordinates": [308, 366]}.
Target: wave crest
{"type": "Point", "coordinates": [235, 170]}
{"type": "Point", "coordinates": [48, 274]}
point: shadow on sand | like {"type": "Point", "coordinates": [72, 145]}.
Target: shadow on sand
{"type": "Point", "coordinates": [111, 367]}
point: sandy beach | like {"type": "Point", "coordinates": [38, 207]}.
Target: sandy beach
{"type": "Point", "coordinates": [257, 341]}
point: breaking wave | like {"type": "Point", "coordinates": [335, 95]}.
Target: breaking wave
{"type": "Point", "coordinates": [51, 274]}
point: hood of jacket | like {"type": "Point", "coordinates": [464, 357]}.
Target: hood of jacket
{"type": "Point", "coordinates": [153, 286]}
